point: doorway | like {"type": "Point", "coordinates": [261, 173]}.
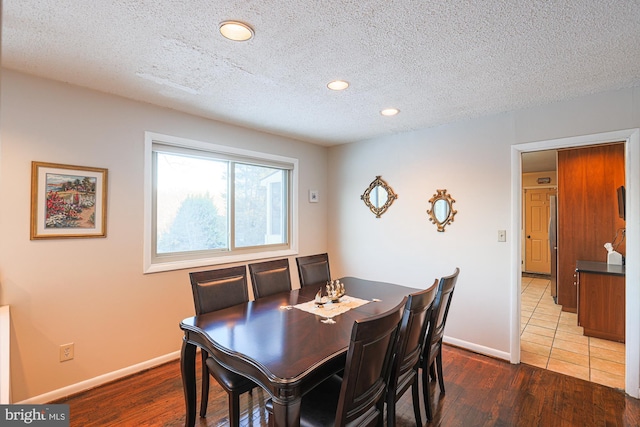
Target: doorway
{"type": "Point", "coordinates": [631, 139]}
{"type": "Point", "coordinates": [550, 337]}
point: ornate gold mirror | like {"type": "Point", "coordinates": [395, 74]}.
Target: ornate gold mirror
{"type": "Point", "coordinates": [441, 212]}
{"type": "Point", "coordinates": [378, 197]}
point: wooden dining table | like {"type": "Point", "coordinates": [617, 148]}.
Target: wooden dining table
{"type": "Point", "coordinates": [283, 349]}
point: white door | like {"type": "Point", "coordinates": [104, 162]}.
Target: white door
{"type": "Point", "coordinates": [537, 214]}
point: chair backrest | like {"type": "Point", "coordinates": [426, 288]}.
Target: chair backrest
{"type": "Point", "coordinates": [313, 269]}
{"type": "Point", "coordinates": [415, 319]}
{"type": "Point", "coordinates": [366, 373]}
{"type": "Point", "coordinates": [270, 277]}
{"type": "Point", "coordinates": [441, 307]}
{"type": "Point", "coordinates": [218, 289]}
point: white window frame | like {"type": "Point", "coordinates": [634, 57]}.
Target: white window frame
{"type": "Point", "coordinates": [153, 264]}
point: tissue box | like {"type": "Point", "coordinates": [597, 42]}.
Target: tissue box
{"type": "Point", "coordinates": [614, 257]}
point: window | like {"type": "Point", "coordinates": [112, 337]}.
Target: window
{"type": "Point", "coordinates": [209, 204]}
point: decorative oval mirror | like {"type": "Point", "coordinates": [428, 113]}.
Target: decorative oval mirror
{"type": "Point", "coordinates": [378, 197]}
{"type": "Point", "coordinates": [441, 212]}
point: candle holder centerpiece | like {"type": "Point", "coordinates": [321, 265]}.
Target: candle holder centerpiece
{"type": "Point", "coordinates": [334, 290]}
{"type": "Point", "coordinates": [320, 300]}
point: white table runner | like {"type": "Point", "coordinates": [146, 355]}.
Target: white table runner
{"type": "Point", "coordinates": [331, 309]}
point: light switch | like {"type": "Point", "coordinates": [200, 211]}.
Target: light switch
{"type": "Point", "coordinates": [502, 235]}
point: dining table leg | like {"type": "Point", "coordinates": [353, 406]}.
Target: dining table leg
{"type": "Point", "coordinates": [188, 369]}
{"type": "Point", "coordinates": [286, 415]}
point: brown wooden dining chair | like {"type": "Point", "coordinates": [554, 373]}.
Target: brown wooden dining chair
{"type": "Point", "coordinates": [270, 277]}
{"type": "Point", "coordinates": [357, 397]}
{"type": "Point", "coordinates": [313, 269]}
{"type": "Point", "coordinates": [432, 351]}
{"type": "Point", "coordinates": [406, 364]}
{"type": "Point", "coordinates": [214, 290]}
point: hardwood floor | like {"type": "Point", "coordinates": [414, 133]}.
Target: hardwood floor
{"type": "Point", "coordinates": [480, 391]}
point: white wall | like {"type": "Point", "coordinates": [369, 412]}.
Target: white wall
{"type": "Point", "coordinates": [472, 160]}
{"type": "Point", "coordinates": [404, 246]}
{"type": "Point", "coordinates": [92, 291]}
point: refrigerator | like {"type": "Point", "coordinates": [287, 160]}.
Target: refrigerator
{"type": "Point", "coordinates": [553, 245]}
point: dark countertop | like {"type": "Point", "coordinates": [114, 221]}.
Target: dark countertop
{"type": "Point", "coordinates": [599, 268]}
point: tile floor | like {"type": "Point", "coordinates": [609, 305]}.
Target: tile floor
{"type": "Point", "coordinates": [551, 339]}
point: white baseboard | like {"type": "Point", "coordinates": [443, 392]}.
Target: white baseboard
{"type": "Point", "coordinates": [99, 380]}
{"type": "Point", "coordinates": [487, 351]}
{"type": "Point", "coordinates": [111, 376]}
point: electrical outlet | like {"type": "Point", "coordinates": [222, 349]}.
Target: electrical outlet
{"type": "Point", "coordinates": [66, 352]}
{"type": "Point", "coordinates": [502, 235]}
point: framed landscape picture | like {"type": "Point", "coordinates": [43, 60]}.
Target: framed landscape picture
{"type": "Point", "coordinates": [68, 201]}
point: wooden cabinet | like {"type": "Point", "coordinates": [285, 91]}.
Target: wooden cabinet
{"type": "Point", "coordinates": [588, 179]}
{"type": "Point", "coordinates": [601, 296]}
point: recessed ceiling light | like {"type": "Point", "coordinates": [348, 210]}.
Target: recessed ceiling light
{"type": "Point", "coordinates": [389, 111]}
{"type": "Point", "coordinates": [236, 31]}
{"type": "Point", "coordinates": [338, 85]}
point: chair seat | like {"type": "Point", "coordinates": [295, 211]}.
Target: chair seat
{"type": "Point", "coordinates": [228, 380]}
{"type": "Point", "coordinates": [320, 404]}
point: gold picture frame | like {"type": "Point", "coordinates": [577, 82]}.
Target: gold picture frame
{"type": "Point", "coordinates": [378, 196]}
{"type": "Point", "coordinates": [441, 212]}
{"type": "Point", "coordinates": [68, 201]}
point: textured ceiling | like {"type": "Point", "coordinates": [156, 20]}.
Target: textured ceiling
{"type": "Point", "coordinates": [437, 61]}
